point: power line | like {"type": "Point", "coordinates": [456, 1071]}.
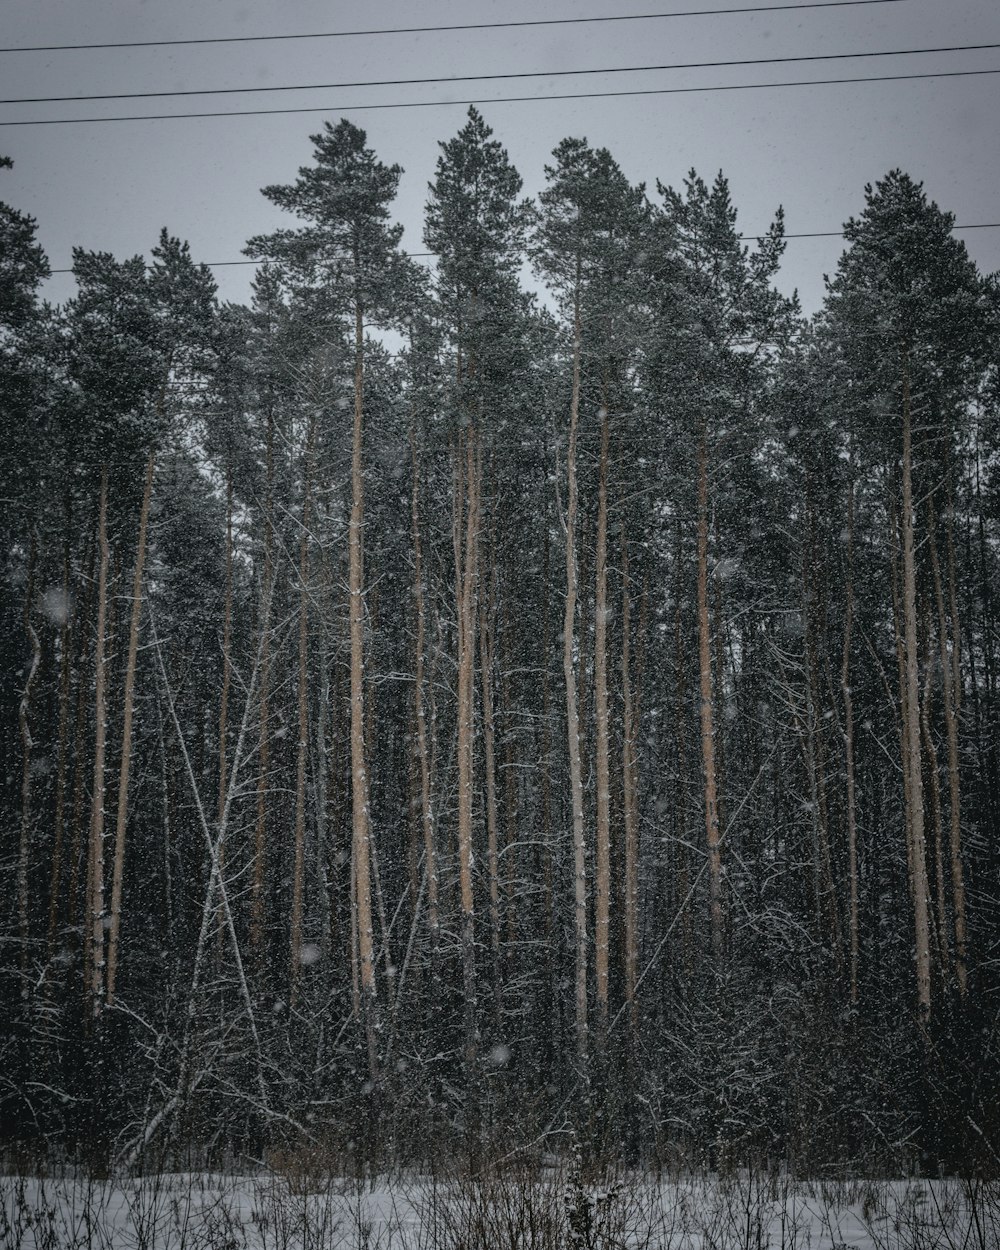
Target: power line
{"type": "Point", "coordinates": [422, 30]}
{"type": "Point", "coordinates": [534, 73]}
{"type": "Point", "coordinates": [511, 99]}
{"type": "Point", "coordinates": [810, 234]}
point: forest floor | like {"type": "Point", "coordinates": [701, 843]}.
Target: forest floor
{"type": "Point", "coordinates": [300, 1210]}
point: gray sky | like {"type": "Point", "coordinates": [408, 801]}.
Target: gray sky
{"type": "Point", "coordinates": [812, 149]}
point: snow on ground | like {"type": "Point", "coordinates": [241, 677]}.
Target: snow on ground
{"type": "Point", "coordinates": [205, 1211]}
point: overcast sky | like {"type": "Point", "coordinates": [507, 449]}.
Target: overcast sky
{"type": "Point", "coordinates": [811, 149]}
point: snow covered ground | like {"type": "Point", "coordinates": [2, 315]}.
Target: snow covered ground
{"type": "Point", "coordinates": [204, 1211]}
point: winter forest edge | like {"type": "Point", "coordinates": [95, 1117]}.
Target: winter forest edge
{"type": "Point", "coordinates": [443, 721]}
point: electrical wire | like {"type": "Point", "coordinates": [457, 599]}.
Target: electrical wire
{"type": "Point", "coordinates": [517, 99]}
{"type": "Point", "coordinates": [531, 73]}
{"type": "Point", "coordinates": [422, 30]}
{"type": "Point", "coordinates": [751, 238]}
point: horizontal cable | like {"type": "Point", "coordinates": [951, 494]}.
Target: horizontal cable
{"type": "Point", "coordinates": [510, 99]}
{"type": "Point", "coordinates": [811, 234]}
{"type": "Point", "coordinates": [422, 30]}
{"type": "Point", "coordinates": [530, 73]}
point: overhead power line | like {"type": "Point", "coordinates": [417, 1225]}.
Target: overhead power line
{"type": "Point", "coordinates": [511, 99]}
{"type": "Point", "coordinates": [423, 30]}
{"type": "Point", "coordinates": [531, 73]}
{"type": "Point", "coordinates": [750, 238]}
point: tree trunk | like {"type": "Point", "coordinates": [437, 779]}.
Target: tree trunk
{"type": "Point", "coordinates": [258, 902]}
{"type": "Point", "coordinates": [712, 831]}
{"type": "Point", "coordinates": [80, 761]}
{"type": "Point", "coordinates": [426, 806]}
{"type": "Point", "coordinates": [227, 644]}
{"type": "Point", "coordinates": [23, 710]}
{"type": "Point", "coordinates": [680, 755]}
{"type": "Point", "coordinates": [549, 910]}
{"type": "Point", "coordinates": [227, 673]}
{"type": "Point", "coordinates": [914, 779]}
{"type": "Point", "coordinates": [572, 711]}
{"type": "Point", "coordinates": [65, 688]}
{"type": "Point", "coordinates": [957, 871]}
{"type": "Point", "coordinates": [719, 682]}
{"type": "Point", "coordinates": [95, 858]}
{"type": "Point", "coordinates": [321, 758]}
{"type": "Point", "coordinates": [486, 645]}
{"type": "Point", "coordinates": [630, 807]}
{"type": "Point", "coordinates": [514, 856]}
{"type": "Point", "coordinates": [360, 813]}
{"type": "Point", "coordinates": [949, 694]}
{"type": "Point", "coordinates": [823, 882]}
{"type": "Point", "coordinates": [467, 480]}
{"type": "Point", "coordinates": [939, 913]}
{"type": "Point", "coordinates": [902, 724]}
{"type": "Point", "coordinates": [298, 871]}
{"type": "Point", "coordinates": [847, 694]}
{"type": "Point", "coordinates": [602, 767]}
{"type": "Point", "coordinates": [123, 776]}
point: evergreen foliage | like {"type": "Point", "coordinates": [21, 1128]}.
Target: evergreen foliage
{"type": "Point", "coordinates": [418, 855]}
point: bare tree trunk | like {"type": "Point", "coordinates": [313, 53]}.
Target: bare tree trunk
{"type": "Point", "coordinates": [949, 690]}
{"type": "Point", "coordinates": [360, 811]}
{"type": "Point", "coordinates": [465, 585]}
{"type": "Point", "coordinates": [227, 645]}
{"type": "Point", "coordinates": [298, 871]}
{"type": "Point", "coordinates": [940, 919]}
{"type": "Point", "coordinates": [718, 620]}
{"type": "Point", "coordinates": [258, 902]}
{"type": "Point", "coordinates": [66, 639]}
{"type": "Point", "coordinates": [321, 756]}
{"type": "Point", "coordinates": [514, 857]}
{"type": "Point", "coordinates": [23, 710]}
{"type": "Point", "coordinates": [227, 673]}
{"type": "Point", "coordinates": [549, 921]}
{"type": "Point", "coordinates": [79, 749]}
{"type": "Point", "coordinates": [958, 876]}
{"type": "Point", "coordinates": [486, 645]}
{"type": "Point", "coordinates": [385, 927]}
{"type": "Point", "coordinates": [602, 766]}
{"type": "Point", "coordinates": [583, 633]}
{"type": "Point", "coordinates": [414, 824]}
{"type": "Point", "coordinates": [903, 723]}
{"type": "Point", "coordinates": [914, 787]}
{"type": "Point", "coordinates": [95, 868]}
{"type": "Point", "coordinates": [680, 812]}
{"type": "Point", "coordinates": [630, 807]}
{"type": "Point", "coordinates": [572, 711]}
{"type": "Point", "coordinates": [712, 831]}
{"type": "Point", "coordinates": [823, 883]}
{"type": "Point", "coordinates": [123, 776]}
{"type": "Point", "coordinates": [356, 1005]}
{"type": "Point", "coordinates": [426, 806]}
{"type": "Point", "coordinates": [216, 882]}
{"type": "Point", "coordinates": [845, 686]}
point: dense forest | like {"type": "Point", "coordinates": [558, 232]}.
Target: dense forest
{"type": "Point", "coordinates": [543, 692]}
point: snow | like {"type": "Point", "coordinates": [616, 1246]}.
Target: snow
{"type": "Point", "coordinates": [55, 605]}
{"type": "Point", "coordinates": [304, 1207]}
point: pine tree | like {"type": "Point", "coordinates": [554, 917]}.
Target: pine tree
{"type": "Point", "coordinates": [348, 250]}
{"type": "Point", "coordinates": [181, 296]}
{"type": "Point", "coordinates": [908, 300]}
{"type": "Point", "coordinates": [116, 367]}
{"type": "Point", "coordinates": [715, 296]}
{"type": "Point", "coordinates": [475, 224]}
